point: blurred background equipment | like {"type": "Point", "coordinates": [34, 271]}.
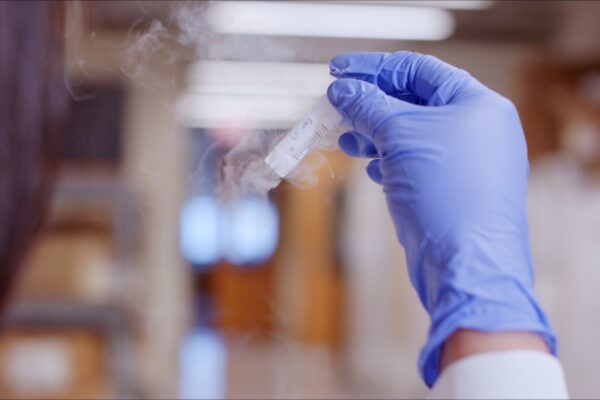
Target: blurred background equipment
{"type": "Point", "coordinates": [143, 284]}
{"type": "Point", "coordinates": [564, 205]}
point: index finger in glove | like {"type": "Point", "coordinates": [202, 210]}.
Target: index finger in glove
{"type": "Point", "coordinates": [364, 105]}
{"type": "Point", "coordinates": [402, 74]}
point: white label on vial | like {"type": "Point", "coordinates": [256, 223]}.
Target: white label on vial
{"type": "Point", "coordinates": [304, 136]}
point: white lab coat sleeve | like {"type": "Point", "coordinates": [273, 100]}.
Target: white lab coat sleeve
{"type": "Point", "coordinates": [515, 374]}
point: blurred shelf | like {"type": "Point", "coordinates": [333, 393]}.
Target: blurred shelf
{"type": "Point", "coordinates": [103, 191]}
{"type": "Point", "coordinates": [111, 321]}
{"type": "Point", "coordinates": [66, 314]}
{"type": "Point", "coordinates": [90, 201]}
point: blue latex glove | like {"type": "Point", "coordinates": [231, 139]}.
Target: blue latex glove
{"type": "Point", "coordinates": [451, 157]}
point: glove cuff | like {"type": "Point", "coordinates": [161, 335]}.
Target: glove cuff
{"type": "Point", "coordinates": [522, 313]}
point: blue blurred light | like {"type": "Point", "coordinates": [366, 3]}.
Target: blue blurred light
{"type": "Point", "coordinates": [244, 232]}
{"type": "Point", "coordinates": [203, 366]}
{"type": "Point", "coordinates": [200, 231]}
{"type": "Point", "coordinates": [251, 231]}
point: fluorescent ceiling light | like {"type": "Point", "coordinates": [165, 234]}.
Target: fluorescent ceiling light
{"type": "Point", "coordinates": [330, 20]}
{"type": "Point", "coordinates": [447, 4]}
{"type": "Point", "coordinates": [454, 4]}
{"type": "Point", "coordinates": [258, 78]}
{"type": "Point", "coordinates": [250, 94]}
{"type": "Point", "coordinates": [210, 110]}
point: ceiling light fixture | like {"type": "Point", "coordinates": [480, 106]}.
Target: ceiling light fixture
{"type": "Point", "coordinates": [368, 21]}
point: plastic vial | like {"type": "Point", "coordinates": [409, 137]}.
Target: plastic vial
{"type": "Point", "coordinates": [321, 121]}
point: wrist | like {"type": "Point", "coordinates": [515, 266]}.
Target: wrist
{"type": "Point", "coordinates": [505, 310]}
{"type": "Point", "coordinates": [468, 342]}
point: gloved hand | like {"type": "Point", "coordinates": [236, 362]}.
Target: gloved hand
{"type": "Point", "coordinates": [451, 157]}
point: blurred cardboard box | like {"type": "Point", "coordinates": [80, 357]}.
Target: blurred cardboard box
{"type": "Point", "coordinates": [69, 264]}
{"type": "Point", "coordinates": [52, 364]}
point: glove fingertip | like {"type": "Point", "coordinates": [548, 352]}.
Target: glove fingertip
{"type": "Point", "coordinates": [342, 90]}
{"type": "Point", "coordinates": [356, 145]}
{"type": "Point", "coordinates": [338, 65]}
{"type": "Point", "coordinates": [374, 172]}
{"type": "Point", "coordinates": [349, 144]}
{"type": "Point", "coordinates": [331, 94]}
{"type": "Point", "coordinates": [361, 63]}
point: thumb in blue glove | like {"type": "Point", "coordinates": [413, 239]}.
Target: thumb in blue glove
{"type": "Point", "coordinates": [451, 157]}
